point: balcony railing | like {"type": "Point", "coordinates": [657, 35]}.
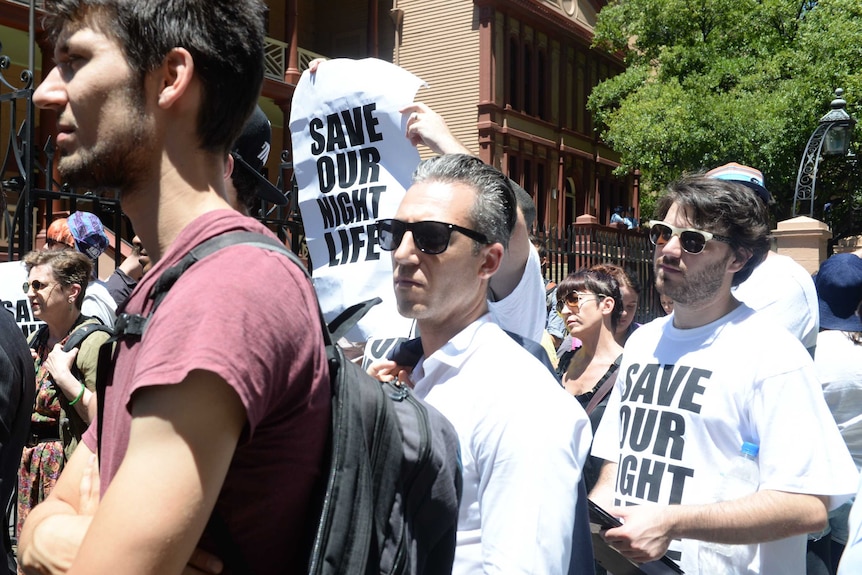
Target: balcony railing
{"type": "Point", "coordinates": [275, 51]}
{"type": "Point", "coordinates": [39, 5]}
{"type": "Point", "coordinates": [276, 59]}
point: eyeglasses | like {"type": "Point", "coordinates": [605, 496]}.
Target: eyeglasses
{"type": "Point", "coordinates": [575, 299]}
{"type": "Point", "coordinates": [692, 241]}
{"type": "Point", "coordinates": [430, 237]}
{"type": "Point", "coordinates": [35, 284]}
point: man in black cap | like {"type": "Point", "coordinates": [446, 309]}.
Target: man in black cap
{"type": "Point", "coordinates": [246, 185]}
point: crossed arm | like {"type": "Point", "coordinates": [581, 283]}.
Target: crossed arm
{"type": "Point", "coordinates": [153, 514]}
{"type": "Point", "coordinates": [763, 516]}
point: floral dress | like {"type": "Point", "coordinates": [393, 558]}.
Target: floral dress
{"type": "Point", "coordinates": [42, 459]}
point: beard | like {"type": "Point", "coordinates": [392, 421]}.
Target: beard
{"type": "Point", "coordinates": [693, 287]}
{"type": "Point", "coordinates": [118, 161]}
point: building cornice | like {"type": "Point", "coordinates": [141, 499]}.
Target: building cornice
{"type": "Point", "coordinates": [541, 13]}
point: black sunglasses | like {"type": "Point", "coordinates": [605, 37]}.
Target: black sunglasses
{"type": "Point", "coordinates": [35, 284]}
{"type": "Point", "coordinates": [430, 237]}
{"type": "Point", "coordinates": [692, 241]}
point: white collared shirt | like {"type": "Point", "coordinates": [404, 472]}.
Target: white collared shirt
{"type": "Point", "coordinates": [523, 440]}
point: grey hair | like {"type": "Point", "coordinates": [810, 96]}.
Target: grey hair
{"type": "Point", "coordinates": [494, 211]}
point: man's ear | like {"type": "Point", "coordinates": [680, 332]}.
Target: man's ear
{"type": "Point", "coordinates": [738, 260]}
{"type": "Point", "coordinates": [228, 166]}
{"type": "Point", "coordinates": [175, 75]}
{"type": "Point", "coordinates": [492, 257]}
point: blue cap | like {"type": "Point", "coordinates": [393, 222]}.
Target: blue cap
{"type": "Point", "coordinates": [89, 234]}
{"type": "Point", "coordinates": [839, 292]}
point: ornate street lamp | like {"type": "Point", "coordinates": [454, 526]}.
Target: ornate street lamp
{"type": "Point", "coordinates": [830, 138]}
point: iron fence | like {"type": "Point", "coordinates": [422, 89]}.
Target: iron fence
{"type": "Point", "coordinates": [585, 245]}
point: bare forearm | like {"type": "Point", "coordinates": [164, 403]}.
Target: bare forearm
{"type": "Point", "coordinates": [762, 516]}
{"type": "Point", "coordinates": [603, 491]}
{"type": "Point", "coordinates": [514, 264]}
{"type": "Point", "coordinates": [50, 538]}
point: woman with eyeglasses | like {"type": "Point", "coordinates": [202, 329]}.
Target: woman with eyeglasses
{"type": "Point", "coordinates": [589, 302]}
{"type": "Point", "coordinates": [65, 381]}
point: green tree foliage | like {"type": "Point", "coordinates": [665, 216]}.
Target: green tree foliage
{"type": "Point", "coordinates": [714, 81]}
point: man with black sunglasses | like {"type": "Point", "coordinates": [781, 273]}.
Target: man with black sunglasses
{"type": "Point", "coordinates": [695, 385]}
{"type": "Point", "coordinates": [523, 438]}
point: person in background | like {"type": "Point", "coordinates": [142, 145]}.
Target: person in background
{"type": "Point", "coordinates": [779, 288]}
{"type": "Point", "coordinates": [84, 233]}
{"type": "Point", "coordinates": [65, 382]}
{"type": "Point", "coordinates": [588, 304]}
{"type": "Point", "coordinates": [838, 359]}
{"type": "Point", "coordinates": [666, 304]}
{"type": "Point", "coordinates": [698, 383]}
{"type": "Point", "coordinates": [630, 290]}
{"type": "Point", "coordinates": [523, 440]}
{"type": "Point", "coordinates": [516, 293]}
{"type": "Point", "coordinates": [17, 394]}
{"type": "Point", "coordinates": [633, 222]}
{"type": "Point", "coordinates": [126, 276]}
{"type": "Point", "coordinates": [244, 182]}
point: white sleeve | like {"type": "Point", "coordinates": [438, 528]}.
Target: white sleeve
{"type": "Point", "coordinates": [801, 448]}
{"type": "Point", "coordinates": [530, 460]}
{"type": "Point", "coordinates": [98, 303]}
{"type": "Point", "coordinates": [523, 311]}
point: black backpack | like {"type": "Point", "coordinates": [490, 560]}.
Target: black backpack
{"type": "Point", "coordinates": [72, 425]}
{"type": "Point", "coordinates": [390, 502]}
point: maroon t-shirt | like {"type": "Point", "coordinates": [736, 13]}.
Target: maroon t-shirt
{"type": "Point", "coordinates": [250, 316]}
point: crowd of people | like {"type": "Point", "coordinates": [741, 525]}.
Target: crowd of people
{"type": "Point", "coordinates": [220, 405]}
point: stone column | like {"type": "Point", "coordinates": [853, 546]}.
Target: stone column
{"type": "Point", "coordinates": [804, 239]}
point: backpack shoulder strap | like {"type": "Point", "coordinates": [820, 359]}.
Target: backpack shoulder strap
{"type": "Point", "coordinates": [37, 335]}
{"type": "Point", "coordinates": [79, 335]}
{"type": "Point", "coordinates": [134, 325]}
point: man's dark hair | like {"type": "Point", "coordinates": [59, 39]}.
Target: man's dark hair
{"type": "Point", "coordinates": [225, 38]}
{"type": "Point", "coordinates": [494, 212]}
{"type": "Point", "coordinates": [725, 208]}
{"type": "Point", "coordinates": [597, 282]}
{"type": "Point", "coordinates": [246, 189]}
{"type": "Point", "coordinates": [525, 204]}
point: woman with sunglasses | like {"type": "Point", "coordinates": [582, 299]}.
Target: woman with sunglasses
{"type": "Point", "coordinates": [65, 382]}
{"type": "Point", "coordinates": [589, 302]}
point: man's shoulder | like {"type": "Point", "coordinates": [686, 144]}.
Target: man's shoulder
{"type": "Point", "coordinates": [96, 290]}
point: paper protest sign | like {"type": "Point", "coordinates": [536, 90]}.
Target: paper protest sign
{"type": "Point", "coordinates": [353, 164]}
{"type": "Point", "coordinates": [12, 277]}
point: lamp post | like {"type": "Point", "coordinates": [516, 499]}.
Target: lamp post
{"type": "Point", "coordinates": [831, 137]}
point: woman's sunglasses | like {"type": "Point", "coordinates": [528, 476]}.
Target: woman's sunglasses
{"type": "Point", "coordinates": [692, 241]}
{"type": "Point", "coordinates": [574, 299]}
{"type": "Point", "coordinates": [35, 284]}
{"type": "Point", "coordinates": [430, 237]}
